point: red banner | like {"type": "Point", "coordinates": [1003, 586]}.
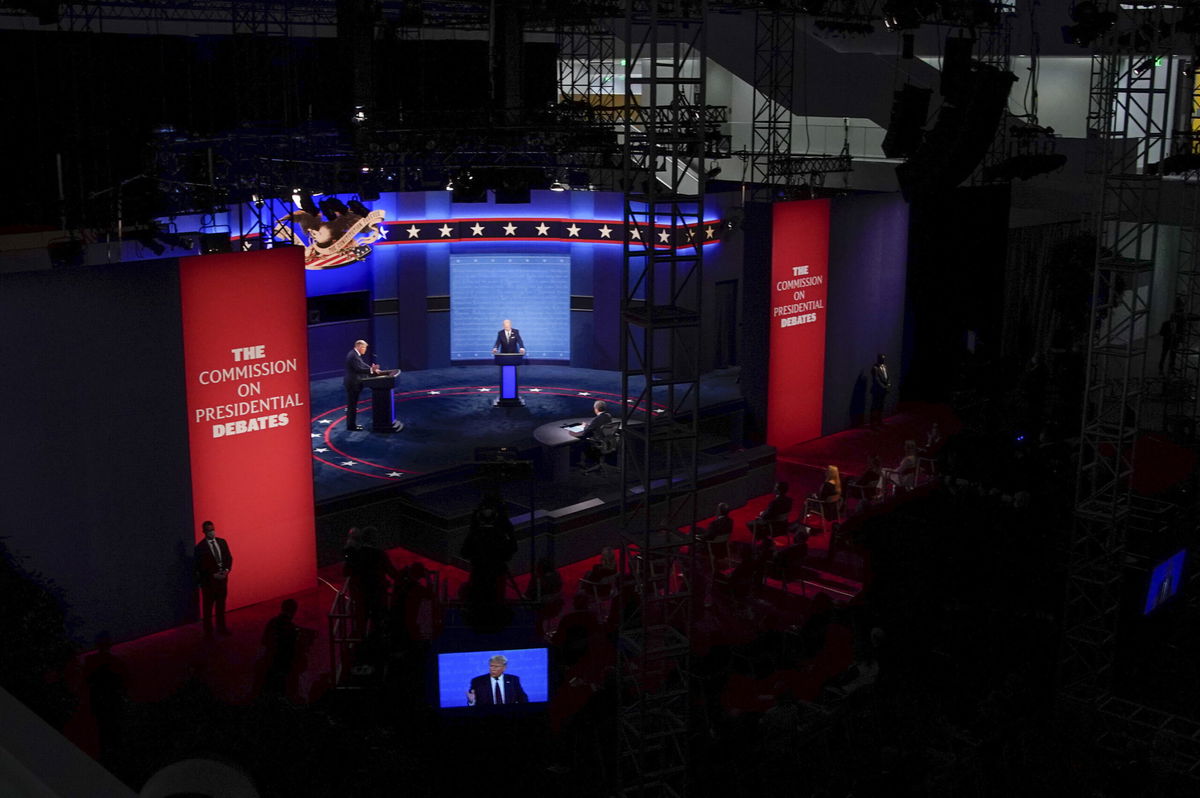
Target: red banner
{"type": "Point", "coordinates": [799, 275]}
{"type": "Point", "coordinates": [246, 360]}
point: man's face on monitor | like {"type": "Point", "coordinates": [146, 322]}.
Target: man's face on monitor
{"type": "Point", "coordinates": [496, 668]}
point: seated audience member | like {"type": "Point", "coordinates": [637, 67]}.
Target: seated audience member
{"type": "Point", "coordinates": [598, 573]}
{"type": "Point", "coordinates": [829, 494]}
{"type": "Point", "coordinates": [905, 474]}
{"type": "Point", "coordinates": [868, 481]}
{"type": "Point", "coordinates": [776, 510]}
{"type": "Point", "coordinates": [721, 526]}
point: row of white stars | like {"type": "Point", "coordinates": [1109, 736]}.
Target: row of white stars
{"type": "Point", "coordinates": [510, 229]}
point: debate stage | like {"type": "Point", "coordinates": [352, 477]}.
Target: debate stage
{"type": "Point", "coordinates": [418, 486]}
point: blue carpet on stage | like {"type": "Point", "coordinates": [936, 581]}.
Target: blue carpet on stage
{"type": "Point", "coordinates": [448, 413]}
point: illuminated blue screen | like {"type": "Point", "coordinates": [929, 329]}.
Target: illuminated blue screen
{"type": "Point", "coordinates": [534, 291]}
{"type": "Point", "coordinates": [1164, 582]}
{"type": "Point", "coordinates": [455, 672]}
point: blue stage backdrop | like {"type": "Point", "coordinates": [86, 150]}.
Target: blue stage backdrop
{"type": "Point", "coordinates": [534, 291]}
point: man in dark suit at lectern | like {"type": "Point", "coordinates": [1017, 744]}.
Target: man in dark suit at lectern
{"type": "Point", "coordinates": [508, 341]}
{"type": "Point", "coordinates": [357, 369]}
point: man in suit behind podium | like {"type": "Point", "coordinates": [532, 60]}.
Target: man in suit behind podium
{"type": "Point", "coordinates": [496, 687]}
{"type": "Point", "coordinates": [508, 341]}
{"type": "Point", "coordinates": [357, 370]}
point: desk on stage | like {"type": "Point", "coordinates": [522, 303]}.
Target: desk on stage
{"type": "Point", "coordinates": [556, 444]}
{"type": "Point", "coordinates": [510, 390]}
{"type": "Point", "coordinates": [383, 405]}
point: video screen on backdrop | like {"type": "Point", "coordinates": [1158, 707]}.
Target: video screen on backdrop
{"type": "Point", "coordinates": [533, 291]}
{"type": "Point", "coordinates": [491, 678]}
{"type": "Point", "coordinates": [1164, 581]}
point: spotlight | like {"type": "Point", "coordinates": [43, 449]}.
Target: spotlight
{"type": "Point", "coordinates": [712, 173]}
{"type": "Point", "coordinates": [467, 188]}
{"type": "Point", "coordinates": [358, 208]}
{"type": "Point", "coordinates": [901, 15]}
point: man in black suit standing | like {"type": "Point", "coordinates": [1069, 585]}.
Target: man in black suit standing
{"type": "Point", "coordinates": [881, 383]}
{"type": "Point", "coordinates": [508, 341]}
{"type": "Point", "coordinates": [356, 370]}
{"type": "Point", "coordinates": [213, 562]}
{"type": "Point", "coordinates": [496, 687]}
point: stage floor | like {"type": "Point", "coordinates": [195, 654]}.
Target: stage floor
{"type": "Point", "coordinates": [448, 414]}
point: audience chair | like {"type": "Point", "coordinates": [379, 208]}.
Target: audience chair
{"type": "Point", "coordinates": [814, 506]}
{"type": "Point", "coordinates": [716, 551]}
{"type": "Point", "coordinates": [926, 466]}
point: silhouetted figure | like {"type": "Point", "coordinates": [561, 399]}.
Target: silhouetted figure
{"type": "Point", "coordinates": [105, 676]}
{"type": "Point", "coordinates": [489, 546]}
{"type": "Point", "coordinates": [368, 570]}
{"type": "Point", "coordinates": [285, 645]}
{"type": "Point", "coordinates": [412, 605]}
{"type": "Point", "coordinates": [881, 384]}
{"type": "Point", "coordinates": [776, 511]}
{"type": "Point", "coordinates": [720, 528]}
{"type": "Point", "coordinates": [574, 633]}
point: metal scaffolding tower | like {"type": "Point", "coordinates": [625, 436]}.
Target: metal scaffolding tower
{"type": "Point", "coordinates": [1129, 115]}
{"type": "Point", "coordinates": [587, 59]}
{"type": "Point", "coordinates": [665, 127]}
{"type": "Point", "coordinates": [1182, 372]}
{"type": "Point", "coordinates": [771, 120]}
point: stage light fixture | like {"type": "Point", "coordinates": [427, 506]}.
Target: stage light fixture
{"type": "Point", "coordinates": [901, 15]}
{"type": "Point", "coordinates": [358, 208]}
{"type": "Point", "coordinates": [713, 172]}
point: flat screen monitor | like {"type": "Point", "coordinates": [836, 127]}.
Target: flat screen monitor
{"type": "Point", "coordinates": [464, 678]}
{"type": "Point", "coordinates": [1164, 581]}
